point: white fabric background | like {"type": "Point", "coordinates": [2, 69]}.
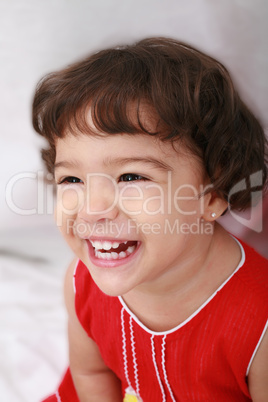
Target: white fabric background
{"type": "Point", "coordinates": [37, 37]}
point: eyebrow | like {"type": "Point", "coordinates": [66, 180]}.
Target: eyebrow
{"type": "Point", "coordinates": [156, 163]}
{"type": "Point", "coordinates": [147, 160]}
{"type": "Point", "coordinates": [67, 164]}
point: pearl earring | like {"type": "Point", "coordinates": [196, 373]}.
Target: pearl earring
{"type": "Point", "coordinates": [213, 214]}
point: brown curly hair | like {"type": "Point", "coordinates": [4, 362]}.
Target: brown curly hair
{"type": "Point", "coordinates": [191, 94]}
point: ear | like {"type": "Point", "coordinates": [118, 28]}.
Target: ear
{"type": "Point", "coordinates": [214, 206]}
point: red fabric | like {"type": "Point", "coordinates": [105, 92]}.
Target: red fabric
{"type": "Point", "coordinates": [206, 358]}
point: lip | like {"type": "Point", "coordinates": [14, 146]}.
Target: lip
{"type": "Point", "coordinates": [111, 263]}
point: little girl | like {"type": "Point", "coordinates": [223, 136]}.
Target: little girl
{"type": "Point", "coordinates": [150, 144]}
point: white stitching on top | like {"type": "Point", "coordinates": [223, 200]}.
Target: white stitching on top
{"type": "Point", "coordinates": [124, 348]}
{"type": "Point", "coordinates": [134, 357]}
{"type": "Point", "coordinates": [164, 368]}
{"type": "Point", "coordinates": [156, 370]}
{"type": "Point", "coordinates": [58, 396]}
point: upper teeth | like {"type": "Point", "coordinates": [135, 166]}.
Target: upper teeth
{"type": "Point", "coordinates": [105, 245]}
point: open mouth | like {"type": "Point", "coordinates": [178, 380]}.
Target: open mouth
{"type": "Point", "coordinates": [112, 250]}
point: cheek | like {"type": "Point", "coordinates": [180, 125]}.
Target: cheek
{"type": "Point", "coordinates": [66, 223]}
{"type": "Point", "coordinates": [130, 200]}
{"type": "Point", "coordinates": [155, 201]}
{"type": "Point", "coordinates": [187, 201]}
{"type": "Point", "coordinates": [146, 200]}
{"type": "Point", "coordinates": [69, 201]}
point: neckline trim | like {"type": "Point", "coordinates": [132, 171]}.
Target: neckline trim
{"type": "Point", "coordinates": [182, 324]}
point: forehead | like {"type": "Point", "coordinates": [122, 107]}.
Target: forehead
{"type": "Point", "coordinates": [108, 145]}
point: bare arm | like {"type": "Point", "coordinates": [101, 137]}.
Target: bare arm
{"type": "Point", "coordinates": [94, 381]}
{"type": "Point", "coordinates": [258, 373]}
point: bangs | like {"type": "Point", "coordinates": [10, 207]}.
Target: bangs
{"type": "Point", "coordinates": [113, 116]}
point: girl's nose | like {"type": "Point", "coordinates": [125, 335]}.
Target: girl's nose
{"type": "Point", "coordinates": [100, 199]}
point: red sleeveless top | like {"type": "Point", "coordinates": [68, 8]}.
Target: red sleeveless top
{"type": "Point", "coordinates": [206, 358]}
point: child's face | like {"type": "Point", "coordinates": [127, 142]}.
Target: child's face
{"type": "Point", "coordinates": [128, 206]}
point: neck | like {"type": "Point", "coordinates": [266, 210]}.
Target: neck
{"type": "Point", "coordinates": [179, 278]}
{"type": "Point", "coordinates": [188, 284]}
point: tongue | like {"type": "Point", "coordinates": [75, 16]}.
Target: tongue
{"type": "Point", "coordinates": [122, 247]}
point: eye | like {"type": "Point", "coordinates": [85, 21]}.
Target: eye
{"type": "Point", "coordinates": [70, 179]}
{"type": "Point", "coordinates": [131, 177]}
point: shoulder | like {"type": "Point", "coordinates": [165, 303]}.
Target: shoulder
{"type": "Point", "coordinates": [251, 288]}
{"type": "Point", "coordinates": [85, 299]}
{"type": "Point", "coordinates": [254, 272]}
{"type": "Point", "coordinates": [82, 282]}
{"type": "Point", "coordinates": [78, 282]}
{"type": "Point", "coordinates": [253, 255]}
{"type": "Point", "coordinates": [247, 287]}
{"type": "Point", "coordinates": [79, 287]}
{"type": "Point", "coordinates": [78, 294]}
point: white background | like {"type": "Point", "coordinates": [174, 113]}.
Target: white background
{"type": "Point", "coordinates": [37, 37]}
